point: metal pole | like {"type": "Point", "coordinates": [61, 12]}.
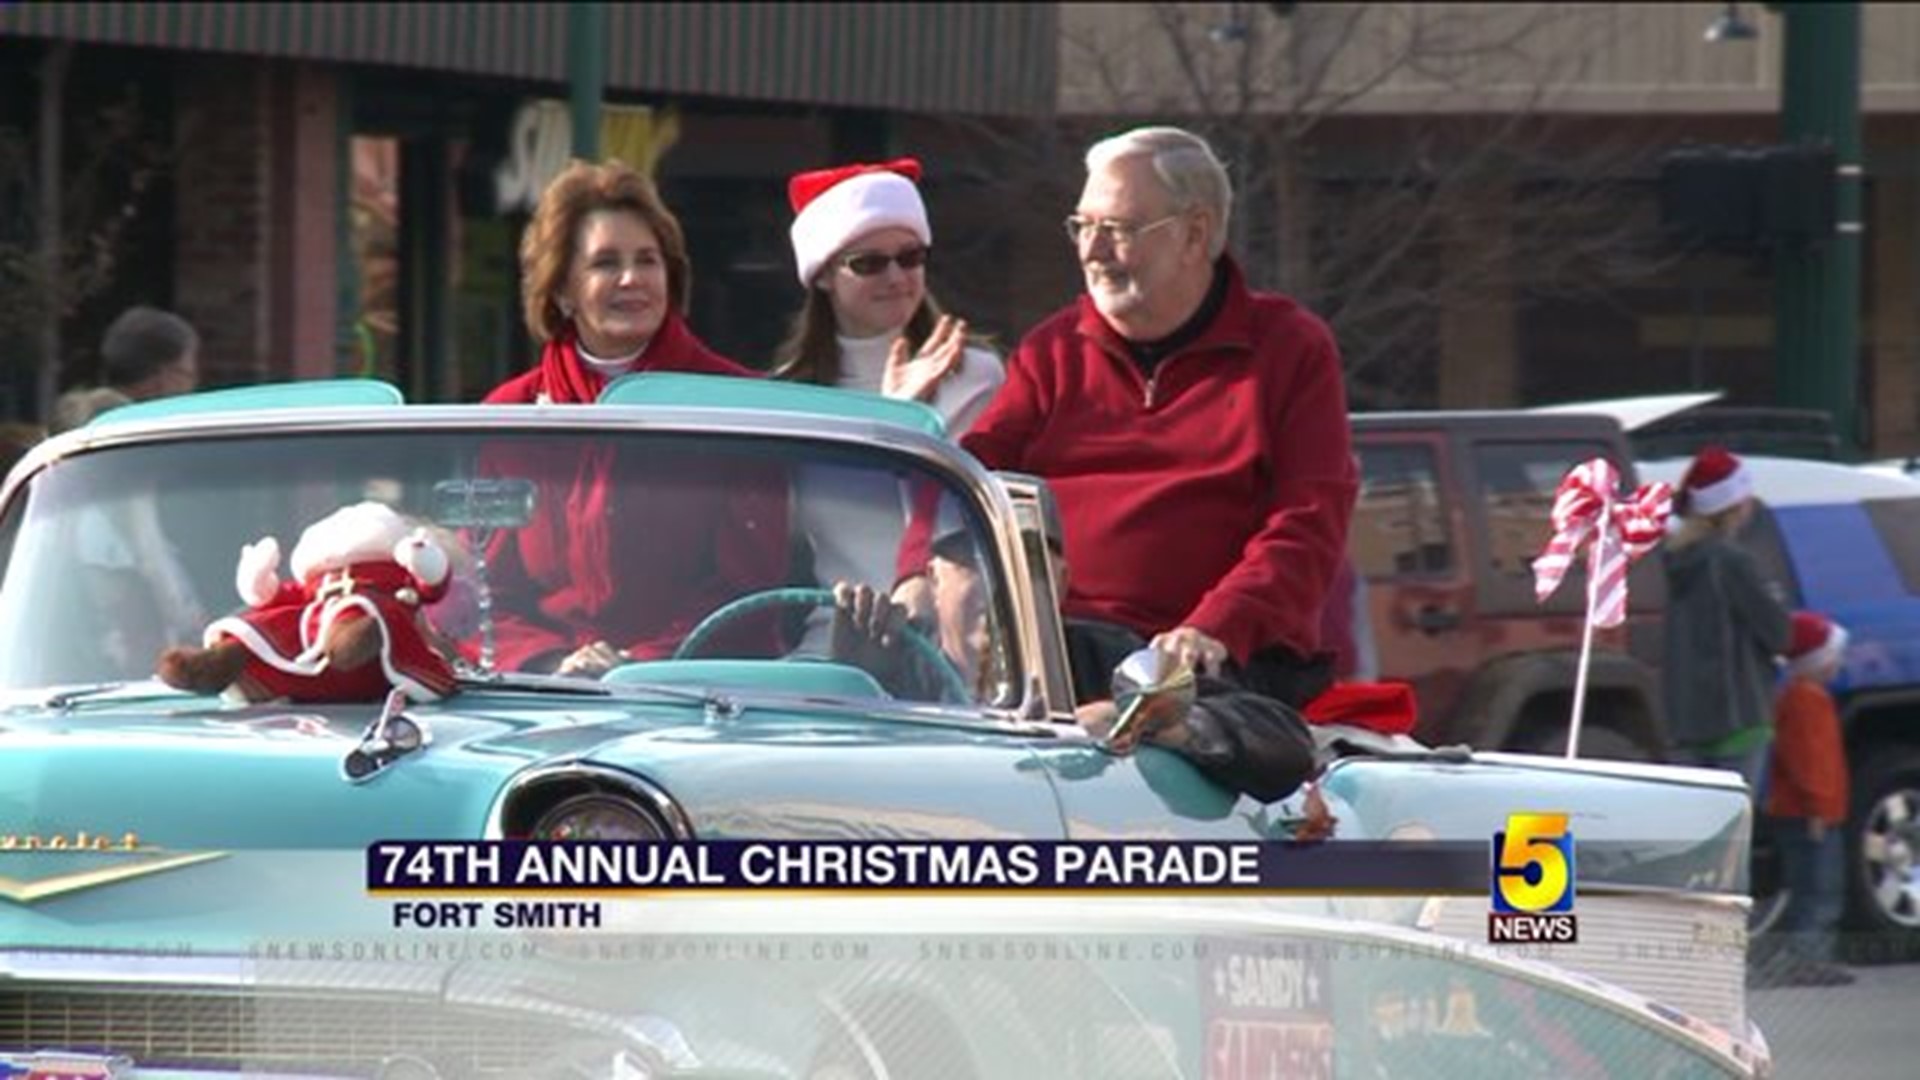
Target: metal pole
{"type": "Point", "coordinates": [587, 72]}
{"type": "Point", "coordinates": [51, 137]}
{"type": "Point", "coordinates": [1817, 288]}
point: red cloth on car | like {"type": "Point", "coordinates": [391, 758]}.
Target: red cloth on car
{"type": "Point", "coordinates": [1215, 495]}
{"type": "Point", "coordinates": [1385, 707]}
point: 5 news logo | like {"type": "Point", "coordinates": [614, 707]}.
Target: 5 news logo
{"type": "Point", "coordinates": [1533, 881]}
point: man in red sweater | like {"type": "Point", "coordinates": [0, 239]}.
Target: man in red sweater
{"type": "Point", "coordinates": [1194, 431]}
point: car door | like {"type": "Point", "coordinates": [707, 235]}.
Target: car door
{"type": "Point", "coordinates": [1152, 793]}
{"type": "Point", "coordinates": [1406, 542]}
{"type": "Point", "coordinates": [1515, 480]}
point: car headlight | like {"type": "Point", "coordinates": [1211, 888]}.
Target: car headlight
{"type": "Point", "coordinates": [597, 815]}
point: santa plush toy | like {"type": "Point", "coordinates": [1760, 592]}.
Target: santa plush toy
{"type": "Point", "coordinates": [347, 628]}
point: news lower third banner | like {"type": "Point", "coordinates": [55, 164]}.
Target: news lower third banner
{"type": "Point", "coordinates": [1424, 867]}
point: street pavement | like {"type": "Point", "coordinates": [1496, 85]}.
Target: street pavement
{"type": "Point", "coordinates": [1867, 1031]}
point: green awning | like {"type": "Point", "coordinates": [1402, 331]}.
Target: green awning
{"type": "Point", "coordinates": [993, 59]}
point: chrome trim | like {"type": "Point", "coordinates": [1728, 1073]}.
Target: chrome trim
{"type": "Point", "coordinates": [457, 984]}
{"type": "Point", "coordinates": [650, 795]}
{"type": "Point", "coordinates": [1689, 775]}
{"type": "Point", "coordinates": [942, 456]}
{"type": "Point", "coordinates": [1048, 626]}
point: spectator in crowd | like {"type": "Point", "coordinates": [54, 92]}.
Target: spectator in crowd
{"type": "Point", "coordinates": [861, 241]}
{"type": "Point", "coordinates": [1194, 430]}
{"type": "Point", "coordinates": [146, 353]}
{"type": "Point", "coordinates": [76, 408]}
{"type": "Point", "coordinates": [149, 353]}
{"type": "Point", "coordinates": [1724, 627]}
{"type": "Point", "coordinates": [1807, 800]}
{"type": "Point", "coordinates": [135, 577]}
{"type": "Point", "coordinates": [595, 579]}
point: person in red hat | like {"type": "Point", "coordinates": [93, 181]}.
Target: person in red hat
{"type": "Point", "coordinates": [595, 580]}
{"type": "Point", "coordinates": [1807, 800]}
{"type": "Point", "coordinates": [861, 243]}
{"type": "Point", "coordinates": [1195, 430]}
{"type": "Point", "coordinates": [1724, 624]}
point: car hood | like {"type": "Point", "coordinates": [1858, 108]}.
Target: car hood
{"type": "Point", "coordinates": [1634, 413]}
{"type": "Point", "coordinates": [180, 771]}
{"type": "Point", "coordinates": [226, 824]}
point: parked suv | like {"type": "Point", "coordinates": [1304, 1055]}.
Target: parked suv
{"type": "Point", "coordinates": [1453, 508]}
{"type": "Point", "coordinates": [1845, 541]}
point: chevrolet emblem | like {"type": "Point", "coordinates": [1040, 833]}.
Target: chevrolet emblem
{"type": "Point", "coordinates": [35, 867]}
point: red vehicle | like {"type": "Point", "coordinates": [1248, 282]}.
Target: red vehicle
{"type": "Point", "coordinates": [1453, 508]}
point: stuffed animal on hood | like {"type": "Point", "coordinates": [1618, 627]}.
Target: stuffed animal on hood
{"type": "Point", "coordinates": [347, 628]}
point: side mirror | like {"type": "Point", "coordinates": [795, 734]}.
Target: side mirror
{"type": "Point", "coordinates": [392, 736]}
{"type": "Point", "coordinates": [1148, 689]}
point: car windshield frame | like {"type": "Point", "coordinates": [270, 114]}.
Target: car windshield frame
{"type": "Point", "coordinates": [1010, 584]}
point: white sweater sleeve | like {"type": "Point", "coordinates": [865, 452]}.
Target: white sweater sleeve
{"type": "Point", "coordinates": [963, 395]}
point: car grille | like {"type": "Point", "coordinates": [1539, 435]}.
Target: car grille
{"type": "Point", "coordinates": [251, 1030]}
{"type": "Point", "coordinates": [1686, 952]}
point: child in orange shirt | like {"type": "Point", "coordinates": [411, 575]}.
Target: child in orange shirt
{"type": "Point", "coordinates": [1807, 797]}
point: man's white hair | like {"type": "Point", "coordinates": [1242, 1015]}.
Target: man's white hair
{"type": "Point", "coordinates": [1184, 162]}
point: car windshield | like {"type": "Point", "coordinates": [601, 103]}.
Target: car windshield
{"type": "Point", "coordinates": [558, 540]}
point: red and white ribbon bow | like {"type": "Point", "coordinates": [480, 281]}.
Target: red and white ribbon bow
{"type": "Point", "coordinates": [1587, 507]}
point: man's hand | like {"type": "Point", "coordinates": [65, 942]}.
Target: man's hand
{"type": "Point", "coordinates": [1193, 647]}
{"type": "Point", "coordinates": [914, 598]}
{"type": "Point", "coordinates": [1159, 726]}
{"type": "Point", "coordinates": [915, 377]}
{"type": "Point", "coordinates": [1816, 829]}
{"type": "Point", "coordinates": [864, 629]}
{"type": "Point", "coordinates": [592, 661]}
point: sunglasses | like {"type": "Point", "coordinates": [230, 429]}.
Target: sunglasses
{"type": "Point", "coordinates": [873, 263]}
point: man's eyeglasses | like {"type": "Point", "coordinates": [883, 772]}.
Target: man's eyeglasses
{"type": "Point", "coordinates": [872, 263]}
{"type": "Point", "coordinates": [1116, 233]}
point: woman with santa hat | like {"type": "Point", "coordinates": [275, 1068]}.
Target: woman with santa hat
{"type": "Point", "coordinates": [1724, 627]}
{"type": "Point", "coordinates": [597, 579]}
{"type": "Point", "coordinates": [861, 242]}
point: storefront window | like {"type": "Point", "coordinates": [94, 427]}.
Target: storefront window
{"type": "Point", "coordinates": [375, 222]}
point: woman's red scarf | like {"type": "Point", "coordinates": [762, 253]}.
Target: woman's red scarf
{"type": "Point", "coordinates": [566, 379]}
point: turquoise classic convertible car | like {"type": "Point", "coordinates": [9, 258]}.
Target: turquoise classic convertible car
{"type": "Point", "coordinates": [638, 644]}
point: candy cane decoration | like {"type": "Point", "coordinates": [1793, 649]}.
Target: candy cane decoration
{"type": "Point", "coordinates": [1588, 510]}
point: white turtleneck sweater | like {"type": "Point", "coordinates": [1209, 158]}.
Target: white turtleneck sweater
{"type": "Point", "coordinates": [960, 397]}
{"type": "Point", "coordinates": [855, 516]}
{"type": "Point", "coordinates": [610, 369]}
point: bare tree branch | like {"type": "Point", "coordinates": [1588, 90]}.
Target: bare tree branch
{"type": "Point", "coordinates": [1474, 189]}
{"type": "Point", "coordinates": [106, 189]}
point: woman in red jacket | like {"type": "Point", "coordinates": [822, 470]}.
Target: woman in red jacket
{"type": "Point", "coordinates": [627, 550]}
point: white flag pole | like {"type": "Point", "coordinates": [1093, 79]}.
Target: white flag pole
{"type": "Point", "coordinates": [1586, 634]}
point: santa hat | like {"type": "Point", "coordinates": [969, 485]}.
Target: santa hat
{"type": "Point", "coordinates": [1814, 642]}
{"type": "Point", "coordinates": [1715, 481]}
{"type": "Point", "coordinates": [833, 206]}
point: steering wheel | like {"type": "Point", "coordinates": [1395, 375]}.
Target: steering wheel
{"type": "Point", "coordinates": [952, 684]}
